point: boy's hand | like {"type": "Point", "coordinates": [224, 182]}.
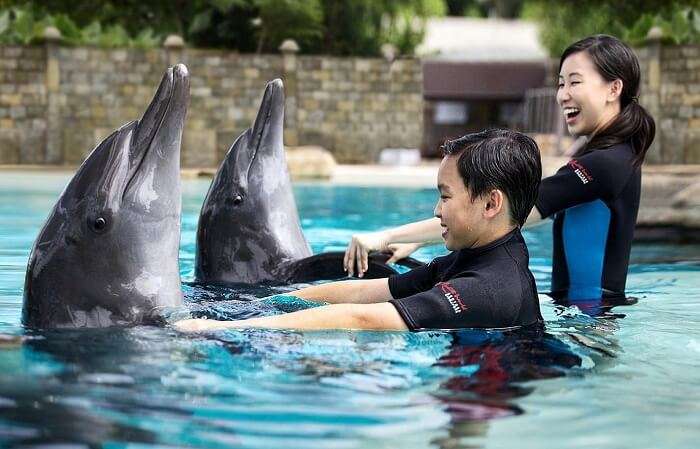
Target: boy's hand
{"type": "Point", "coordinates": [200, 325]}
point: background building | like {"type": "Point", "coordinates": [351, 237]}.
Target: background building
{"type": "Point", "coordinates": [476, 73]}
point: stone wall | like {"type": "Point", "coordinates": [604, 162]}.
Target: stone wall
{"type": "Point", "coordinates": [671, 93]}
{"type": "Point", "coordinates": [57, 103]}
{"type": "Point", "coordinates": [22, 105]}
{"type": "Point", "coordinates": [359, 106]}
{"type": "Point", "coordinates": [102, 89]}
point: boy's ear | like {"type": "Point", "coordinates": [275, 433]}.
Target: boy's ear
{"type": "Point", "coordinates": [494, 203]}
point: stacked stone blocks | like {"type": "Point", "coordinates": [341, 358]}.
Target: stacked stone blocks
{"type": "Point", "coordinates": [22, 105]}
{"type": "Point", "coordinates": [671, 93]}
{"type": "Point", "coordinates": [57, 103]}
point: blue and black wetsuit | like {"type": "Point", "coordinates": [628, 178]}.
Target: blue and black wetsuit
{"type": "Point", "coordinates": [487, 287]}
{"type": "Point", "coordinates": [594, 200]}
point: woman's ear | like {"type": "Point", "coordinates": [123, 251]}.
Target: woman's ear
{"type": "Point", "coordinates": [494, 203]}
{"type": "Point", "coordinates": [615, 90]}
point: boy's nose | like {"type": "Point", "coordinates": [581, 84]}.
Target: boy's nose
{"type": "Point", "coordinates": [438, 210]}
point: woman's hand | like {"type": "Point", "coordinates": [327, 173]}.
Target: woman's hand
{"type": "Point", "coordinates": [356, 254]}
{"type": "Point", "coordinates": [401, 250]}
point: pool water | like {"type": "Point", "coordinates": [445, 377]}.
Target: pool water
{"type": "Point", "coordinates": [626, 378]}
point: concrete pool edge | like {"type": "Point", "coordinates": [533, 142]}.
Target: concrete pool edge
{"type": "Point", "coordinates": [669, 210]}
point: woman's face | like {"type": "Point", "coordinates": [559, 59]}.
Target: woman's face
{"type": "Point", "coordinates": [588, 101]}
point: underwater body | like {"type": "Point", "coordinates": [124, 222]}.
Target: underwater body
{"type": "Point", "coordinates": [617, 379]}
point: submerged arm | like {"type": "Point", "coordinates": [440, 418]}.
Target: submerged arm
{"type": "Point", "coordinates": [356, 305]}
{"type": "Point", "coordinates": [382, 316]}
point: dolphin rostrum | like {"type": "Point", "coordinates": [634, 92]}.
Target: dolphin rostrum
{"type": "Point", "coordinates": [108, 253]}
{"type": "Point", "coordinates": [249, 229]}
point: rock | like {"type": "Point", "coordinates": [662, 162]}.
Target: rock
{"type": "Point", "coordinates": [688, 197]}
{"type": "Point", "coordinates": [399, 156]}
{"type": "Point", "coordinates": [174, 41]}
{"type": "Point", "coordinates": [310, 162]}
{"type": "Point", "coordinates": [670, 197]}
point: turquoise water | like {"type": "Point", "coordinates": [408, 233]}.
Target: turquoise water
{"type": "Point", "coordinates": [628, 378]}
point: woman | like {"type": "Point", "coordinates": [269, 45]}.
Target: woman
{"type": "Point", "coordinates": [594, 198]}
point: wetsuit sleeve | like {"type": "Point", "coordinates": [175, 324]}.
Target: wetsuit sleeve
{"type": "Point", "coordinates": [417, 280]}
{"type": "Point", "coordinates": [457, 303]}
{"type": "Point", "coordinates": [600, 174]}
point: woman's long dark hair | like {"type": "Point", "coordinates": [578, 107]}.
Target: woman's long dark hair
{"type": "Point", "coordinates": [615, 60]}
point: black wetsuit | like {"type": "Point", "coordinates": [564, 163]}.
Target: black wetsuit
{"type": "Point", "coordinates": [488, 287]}
{"type": "Point", "coordinates": [594, 199]}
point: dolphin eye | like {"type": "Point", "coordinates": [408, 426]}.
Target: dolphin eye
{"type": "Point", "coordinates": [99, 224]}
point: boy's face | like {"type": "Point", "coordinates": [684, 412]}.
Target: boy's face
{"type": "Point", "coordinates": [461, 217]}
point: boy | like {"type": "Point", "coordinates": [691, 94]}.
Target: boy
{"type": "Point", "coordinates": [488, 183]}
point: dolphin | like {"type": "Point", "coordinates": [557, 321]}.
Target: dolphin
{"type": "Point", "coordinates": [249, 229]}
{"type": "Point", "coordinates": [108, 252]}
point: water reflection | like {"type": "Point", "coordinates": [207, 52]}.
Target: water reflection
{"type": "Point", "coordinates": [502, 362]}
{"type": "Point", "coordinates": [152, 385]}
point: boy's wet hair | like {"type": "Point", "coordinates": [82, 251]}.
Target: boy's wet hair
{"type": "Point", "coordinates": [499, 159]}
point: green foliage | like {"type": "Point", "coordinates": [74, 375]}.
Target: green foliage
{"type": "Point", "coordinates": [406, 29]}
{"type": "Point", "coordinates": [508, 9]}
{"type": "Point", "coordinates": [562, 23]}
{"type": "Point", "coordinates": [343, 27]}
{"type": "Point", "coordinates": [361, 27]}
{"type": "Point", "coordinates": [679, 26]}
{"type": "Point", "coordinates": [281, 19]}
{"type": "Point", "coordinates": [26, 26]}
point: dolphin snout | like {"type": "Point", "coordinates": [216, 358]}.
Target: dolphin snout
{"type": "Point", "coordinates": [180, 70]}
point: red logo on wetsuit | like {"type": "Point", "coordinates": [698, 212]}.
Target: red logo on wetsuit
{"type": "Point", "coordinates": [452, 297]}
{"type": "Point", "coordinates": [580, 171]}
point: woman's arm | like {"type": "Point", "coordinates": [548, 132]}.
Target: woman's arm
{"type": "Point", "coordinates": [414, 235]}
{"type": "Point", "coordinates": [402, 241]}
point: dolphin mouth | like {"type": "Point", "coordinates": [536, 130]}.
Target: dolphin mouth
{"type": "Point", "coordinates": [271, 110]}
{"type": "Point", "coordinates": [166, 110]}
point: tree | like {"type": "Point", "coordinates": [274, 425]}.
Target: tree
{"type": "Point", "coordinates": [343, 27]}
{"type": "Point", "coordinates": [562, 23]}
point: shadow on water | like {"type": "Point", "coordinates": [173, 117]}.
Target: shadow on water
{"type": "Point", "coordinates": [154, 386]}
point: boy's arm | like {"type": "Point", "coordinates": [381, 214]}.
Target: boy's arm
{"type": "Point", "coordinates": [357, 292]}
{"type": "Point", "coordinates": [365, 307]}
{"type": "Point", "coordinates": [381, 316]}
